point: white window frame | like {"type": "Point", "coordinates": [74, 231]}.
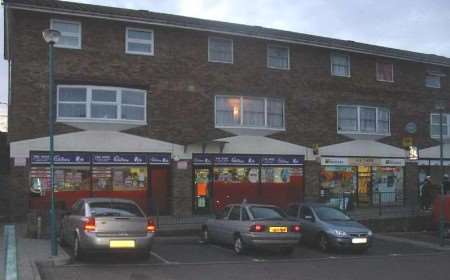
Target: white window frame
{"type": "Point", "coordinates": [241, 112]}
{"type": "Point", "coordinates": [288, 57]}
{"type": "Point", "coordinates": [220, 61]}
{"type": "Point", "coordinates": [68, 33]}
{"type": "Point", "coordinates": [89, 102]}
{"type": "Point", "coordinates": [434, 76]}
{"type": "Point", "coordinates": [444, 115]}
{"type": "Point", "coordinates": [358, 131]}
{"type": "Point", "coordinates": [349, 65]}
{"type": "Point", "coordinates": [140, 41]}
{"type": "Point", "coordinates": [376, 72]}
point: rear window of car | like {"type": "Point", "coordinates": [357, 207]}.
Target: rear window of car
{"type": "Point", "coordinates": [114, 209]}
{"type": "Point", "coordinates": [267, 213]}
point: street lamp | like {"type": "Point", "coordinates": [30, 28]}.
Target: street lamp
{"type": "Point", "coordinates": [440, 107]}
{"type": "Point", "coordinates": [51, 37]}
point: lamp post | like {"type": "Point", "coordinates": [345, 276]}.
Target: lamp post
{"type": "Point", "coordinates": [51, 37]}
{"type": "Point", "coordinates": [440, 107]}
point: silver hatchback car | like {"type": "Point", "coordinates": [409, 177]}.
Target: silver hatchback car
{"type": "Point", "coordinates": [253, 225]}
{"type": "Point", "coordinates": [107, 224]}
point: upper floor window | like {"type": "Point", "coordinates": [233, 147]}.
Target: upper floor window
{"type": "Point", "coordinates": [278, 57]}
{"type": "Point", "coordinates": [101, 103]}
{"type": "Point", "coordinates": [385, 72]}
{"type": "Point", "coordinates": [70, 33]}
{"type": "Point", "coordinates": [362, 119]}
{"type": "Point", "coordinates": [220, 50]}
{"type": "Point", "coordinates": [340, 65]}
{"type": "Point", "coordinates": [249, 112]}
{"type": "Point", "coordinates": [433, 77]}
{"type": "Point", "coordinates": [139, 41]}
{"type": "Point", "coordinates": [435, 122]}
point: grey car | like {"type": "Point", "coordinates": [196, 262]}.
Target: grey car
{"type": "Point", "coordinates": [329, 228]}
{"type": "Point", "coordinates": [253, 225]}
{"type": "Point", "coordinates": [108, 225]}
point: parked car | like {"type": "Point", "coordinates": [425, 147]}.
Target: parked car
{"type": "Point", "coordinates": [108, 225]}
{"type": "Point", "coordinates": [328, 227]}
{"type": "Point", "coordinates": [253, 225]}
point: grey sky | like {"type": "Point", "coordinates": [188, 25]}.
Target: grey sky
{"type": "Point", "coordinates": [417, 25]}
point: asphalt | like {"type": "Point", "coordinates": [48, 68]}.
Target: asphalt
{"type": "Point", "coordinates": [187, 258]}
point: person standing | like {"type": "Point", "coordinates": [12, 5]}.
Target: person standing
{"type": "Point", "coordinates": [426, 193]}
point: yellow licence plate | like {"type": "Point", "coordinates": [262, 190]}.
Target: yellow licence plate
{"type": "Point", "coordinates": [278, 229]}
{"type": "Point", "coordinates": [122, 244]}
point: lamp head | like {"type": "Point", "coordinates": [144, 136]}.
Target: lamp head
{"type": "Point", "coordinates": [51, 36]}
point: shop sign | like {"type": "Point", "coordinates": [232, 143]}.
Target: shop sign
{"type": "Point", "coordinates": [423, 162]}
{"type": "Point", "coordinates": [60, 158]}
{"type": "Point", "coordinates": [159, 159]}
{"type": "Point", "coordinates": [438, 162]}
{"type": "Point", "coordinates": [392, 162]}
{"type": "Point", "coordinates": [363, 162]}
{"type": "Point", "coordinates": [335, 161]}
{"type": "Point", "coordinates": [282, 160]}
{"type": "Point", "coordinates": [201, 159]}
{"type": "Point", "coordinates": [133, 159]}
{"type": "Point", "coordinates": [235, 160]}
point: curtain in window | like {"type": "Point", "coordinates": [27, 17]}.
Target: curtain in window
{"type": "Point", "coordinates": [368, 119]}
{"type": "Point", "coordinates": [340, 65]}
{"type": "Point", "coordinates": [275, 111]}
{"type": "Point", "coordinates": [383, 121]}
{"type": "Point", "coordinates": [228, 111]}
{"type": "Point", "coordinates": [347, 118]}
{"type": "Point", "coordinates": [385, 71]}
{"type": "Point", "coordinates": [254, 112]}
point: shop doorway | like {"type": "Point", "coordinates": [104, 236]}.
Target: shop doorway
{"type": "Point", "coordinates": [364, 189]}
{"type": "Point", "coordinates": [202, 190]}
{"type": "Point", "coordinates": [159, 191]}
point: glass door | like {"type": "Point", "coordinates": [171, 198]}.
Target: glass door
{"type": "Point", "coordinates": [364, 185]}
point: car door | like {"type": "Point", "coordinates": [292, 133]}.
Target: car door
{"type": "Point", "coordinates": [68, 222]}
{"type": "Point", "coordinates": [232, 224]}
{"type": "Point", "coordinates": [221, 225]}
{"type": "Point", "coordinates": [307, 220]}
{"type": "Point", "coordinates": [214, 225]}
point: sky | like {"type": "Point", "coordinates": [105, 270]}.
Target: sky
{"type": "Point", "coordinates": [416, 25]}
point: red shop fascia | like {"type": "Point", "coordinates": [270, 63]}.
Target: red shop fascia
{"type": "Point", "coordinates": [221, 179]}
{"type": "Point", "coordinates": [141, 177]}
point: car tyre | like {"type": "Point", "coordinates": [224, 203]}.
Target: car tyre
{"type": "Point", "coordinates": [78, 253]}
{"type": "Point", "coordinates": [238, 246]}
{"type": "Point", "coordinates": [287, 251]}
{"type": "Point", "coordinates": [205, 236]}
{"type": "Point", "coordinates": [323, 243]}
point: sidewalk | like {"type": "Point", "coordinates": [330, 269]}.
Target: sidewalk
{"type": "Point", "coordinates": [427, 239]}
{"type": "Point", "coordinates": [31, 251]}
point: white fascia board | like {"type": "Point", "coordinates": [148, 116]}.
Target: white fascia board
{"type": "Point", "coordinates": [362, 148]}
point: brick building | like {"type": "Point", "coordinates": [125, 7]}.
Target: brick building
{"type": "Point", "coordinates": [184, 115]}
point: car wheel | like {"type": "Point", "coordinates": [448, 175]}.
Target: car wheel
{"type": "Point", "coordinates": [78, 253]}
{"type": "Point", "coordinates": [238, 247]}
{"type": "Point", "coordinates": [287, 251]}
{"type": "Point", "coordinates": [323, 243]}
{"type": "Point", "coordinates": [205, 236]}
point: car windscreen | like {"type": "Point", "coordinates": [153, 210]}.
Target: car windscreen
{"type": "Point", "coordinates": [267, 213]}
{"type": "Point", "coordinates": [114, 209]}
{"type": "Point", "coordinates": [330, 214]}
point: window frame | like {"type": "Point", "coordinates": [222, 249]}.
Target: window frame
{"type": "Point", "coordinates": [428, 75]}
{"type": "Point", "coordinates": [89, 102]}
{"type": "Point", "coordinates": [377, 65]}
{"type": "Point", "coordinates": [288, 57]}
{"type": "Point", "coordinates": [79, 34]}
{"type": "Point", "coordinates": [140, 41]}
{"type": "Point", "coordinates": [241, 112]}
{"type": "Point", "coordinates": [333, 54]}
{"type": "Point", "coordinates": [220, 61]}
{"type": "Point", "coordinates": [358, 131]}
{"type": "Point", "coordinates": [445, 115]}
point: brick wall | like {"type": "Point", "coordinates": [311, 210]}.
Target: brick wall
{"type": "Point", "coordinates": [312, 180]}
{"type": "Point", "coordinates": [181, 190]}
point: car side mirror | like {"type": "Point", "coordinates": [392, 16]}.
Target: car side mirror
{"type": "Point", "coordinates": [309, 218]}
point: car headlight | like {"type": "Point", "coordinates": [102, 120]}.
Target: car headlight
{"type": "Point", "coordinates": [338, 233]}
{"type": "Point", "coordinates": [369, 233]}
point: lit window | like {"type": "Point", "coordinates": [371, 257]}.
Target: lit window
{"type": "Point", "coordinates": [139, 41]}
{"type": "Point", "coordinates": [363, 120]}
{"type": "Point", "coordinates": [385, 72]}
{"type": "Point", "coordinates": [278, 57]}
{"type": "Point", "coordinates": [220, 50]}
{"type": "Point", "coordinates": [101, 103]}
{"type": "Point", "coordinates": [340, 65]}
{"type": "Point", "coordinates": [70, 33]}
{"type": "Point", "coordinates": [249, 112]}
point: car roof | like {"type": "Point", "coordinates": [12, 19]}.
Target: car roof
{"type": "Point", "coordinates": [311, 204]}
{"type": "Point", "coordinates": [106, 199]}
{"type": "Point", "coordinates": [251, 205]}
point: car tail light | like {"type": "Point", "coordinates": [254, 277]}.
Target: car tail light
{"type": "Point", "coordinates": [296, 228]}
{"type": "Point", "coordinates": [89, 224]}
{"type": "Point", "coordinates": [151, 226]}
{"type": "Point", "coordinates": [257, 228]}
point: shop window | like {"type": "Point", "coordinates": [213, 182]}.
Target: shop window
{"type": "Point", "coordinates": [70, 178]}
{"type": "Point", "coordinates": [249, 112]}
{"type": "Point", "coordinates": [236, 175]}
{"type": "Point", "coordinates": [129, 178]}
{"type": "Point", "coordinates": [363, 120]}
{"type": "Point", "coordinates": [338, 179]}
{"type": "Point", "coordinates": [102, 179]}
{"type": "Point", "coordinates": [280, 175]}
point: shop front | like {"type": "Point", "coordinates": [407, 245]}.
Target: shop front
{"type": "Point", "coordinates": [221, 179]}
{"type": "Point", "coordinates": [141, 177]}
{"type": "Point", "coordinates": [362, 182]}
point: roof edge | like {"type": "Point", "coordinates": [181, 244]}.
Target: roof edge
{"type": "Point", "coordinates": [142, 20]}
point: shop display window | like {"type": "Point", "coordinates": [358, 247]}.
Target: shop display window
{"type": "Point", "coordinates": [102, 179]}
{"type": "Point", "coordinates": [236, 174]}
{"type": "Point", "coordinates": [280, 175]}
{"type": "Point", "coordinates": [120, 178]}
{"type": "Point", "coordinates": [387, 179]}
{"type": "Point", "coordinates": [67, 178]}
{"type": "Point", "coordinates": [338, 179]}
